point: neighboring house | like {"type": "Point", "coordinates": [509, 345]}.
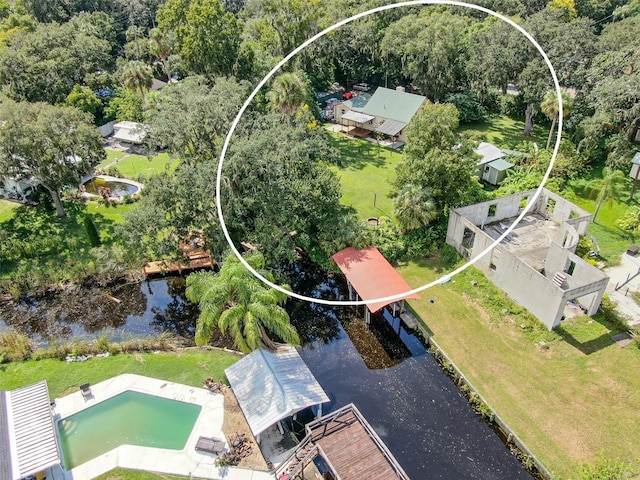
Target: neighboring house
{"type": "Point", "coordinates": [492, 167]}
{"type": "Point", "coordinates": [11, 187]}
{"type": "Point", "coordinates": [386, 112]}
{"type": "Point", "coordinates": [130, 132]}
{"type": "Point", "coordinates": [535, 264]}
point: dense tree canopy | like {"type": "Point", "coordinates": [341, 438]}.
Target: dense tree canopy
{"type": "Point", "coordinates": [54, 145]}
{"type": "Point", "coordinates": [190, 118]}
{"type": "Point", "coordinates": [207, 36]}
{"type": "Point", "coordinates": [45, 64]}
{"type": "Point", "coordinates": [277, 192]}
{"type": "Point", "coordinates": [437, 161]}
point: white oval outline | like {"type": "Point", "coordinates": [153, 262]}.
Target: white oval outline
{"type": "Point", "coordinates": [444, 278]}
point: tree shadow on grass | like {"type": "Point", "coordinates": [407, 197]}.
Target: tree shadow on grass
{"type": "Point", "coordinates": [356, 154]}
{"type": "Point", "coordinates": [43, 234]}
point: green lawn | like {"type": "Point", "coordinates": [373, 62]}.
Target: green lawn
{"type": "Point", "coordinates": [123, 474]}
{"type": "Point", "coordinates": [611, 239]}
{"type": "Point", "coordinates": [137, 166]}
{"type": "Point", "coordinates": [365, 171]}
{"type": "Point", "coordinates": [506, 132]}
{"type": "Point", "coordinates": [45, 241]}
{"type": "Point", "coordinates": [566, 402]}
{"type": "Point", "coordinates": [189, 367]}
{"type": "Point", "coordinates": [6, 210]}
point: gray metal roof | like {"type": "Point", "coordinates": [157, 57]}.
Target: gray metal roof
{"type": "Point", "coordinates": [489, 152]}
{"type": "Point", "coordinates": [271, 386]}
{"type": "Point", "coordinates": [5, 450]}
{"type": "Point", "coordinates": [357, 117]}
{"type": "Point", "coordinates": [31, 438]}
{"type": "Point", "coordinates": [391, 127]}
{"type": "Point", "coordinates": [130, 132]}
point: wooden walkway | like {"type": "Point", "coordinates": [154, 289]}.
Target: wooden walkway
{"type": "Point", "coordinates": [194, 260]}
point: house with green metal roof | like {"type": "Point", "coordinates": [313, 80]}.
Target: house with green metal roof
{"type": "Point", "coordinates": [386, 112]}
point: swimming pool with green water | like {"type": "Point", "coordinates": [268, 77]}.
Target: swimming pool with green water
{"type": "Point", "coordinates": [129, 418]}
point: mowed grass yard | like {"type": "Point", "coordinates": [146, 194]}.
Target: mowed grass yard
{"type": "Point", "coordinates": [365, 172]}
{"type": "Point", "coordinates": [567, 402]}
{"type": "Point", "coordinates": [137, 166]}
{"type": "Point", "coordinates": [506, 132]}
{"type": "Point", "coordinates": [189, 367]}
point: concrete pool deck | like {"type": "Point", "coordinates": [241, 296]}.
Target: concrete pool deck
{"type": "Point", "coordinates": [178, 462]}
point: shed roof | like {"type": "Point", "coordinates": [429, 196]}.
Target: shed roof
{"type": "Point", "coordinates": [358, 102]}
{"type": "Point", "coordinates": [501, 165]}
{"type": "Point", "coordinates": [393, 104]}
{"type": "Point", "coordinates": [358, 117]}
{"type": "Point", "coordinates": [271, 386]}
{"type": "Point", "coordinates": [29, 444]}
{"type": "Point", "coordinates": [131, 132]}
{"type": "Point", "coordinates": [391, 127]}
{"type": "Point", "coordinates": [371, 275]}
{"type": "Point", "coordinates": [489, 152]}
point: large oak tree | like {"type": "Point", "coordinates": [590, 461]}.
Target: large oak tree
{"type": "Point", "coordinates": [54, 145]}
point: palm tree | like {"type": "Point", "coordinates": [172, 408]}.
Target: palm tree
{"type": "Point", "coordinates": [161, 46]}
{"type": "Point", "coordinates": [289, 92]}
{"type": "Point", "coordinates": [609, 187]}
{"type": "Point", "coordinates": [550, 107]}
{"type": "Point", "coordinates": [137, 76]}
{"type": "Point", "coordinates": [235, 300]}
{"type": "Point", "coordinates": [414, 207]}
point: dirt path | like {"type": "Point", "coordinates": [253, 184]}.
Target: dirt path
{"type": "Point", "coordinates": [234, 422]}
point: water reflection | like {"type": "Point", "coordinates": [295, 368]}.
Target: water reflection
{"type": "Point", "coordinates": [75, 312]}
{"type": "Point", "coordinates": [384, 369]}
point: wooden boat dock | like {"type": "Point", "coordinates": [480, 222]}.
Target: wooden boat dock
{"type": "Point", "coordinates": [194, 259]}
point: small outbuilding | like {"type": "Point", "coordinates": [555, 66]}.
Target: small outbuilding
{"type": "Point", "coordinates": [130, 132]}
{"type": "Point", "coordinates": [492, 167]}
{"type": "Point", "coordinates": [271, 386]}
{"type": "Point", "coordinates": [28, 442]}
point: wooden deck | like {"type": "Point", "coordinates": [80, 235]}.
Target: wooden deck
{"type": "Point", "coordinates": [358, 132]}
{"type": "Point", "coordinates": [194, 260]}
{"type": "Point", "coordinates": [350, 446]}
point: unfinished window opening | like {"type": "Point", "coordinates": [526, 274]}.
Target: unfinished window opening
{"type": "Point", "coordinates": [468, 238]}
{"type": "Point", "coordinates": [570, 268]}
{"type": "Point", "coordinates": [495, 257]}
{"type": "Point", "coordinates": [523, 202]}
{"type": "Point", "coordinates": [493, 208]}
{"type": "Point", "coordinates": [573, 214]}
{"type": "Point", "coordinates": [551, 205]}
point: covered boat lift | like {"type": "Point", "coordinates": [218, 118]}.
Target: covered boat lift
{"type": "Point", "coordinates": [271, 386]}
{"type": "Point", "coordinates": [370, 276]}
{"type": "Point", "coordinates": [28, 443]}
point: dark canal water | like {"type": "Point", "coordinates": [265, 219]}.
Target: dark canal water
{"type": "Point", "coordinates": [384, 370]}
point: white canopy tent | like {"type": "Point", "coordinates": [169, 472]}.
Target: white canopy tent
{"type": "Point", "coordinates": [271, 386]}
